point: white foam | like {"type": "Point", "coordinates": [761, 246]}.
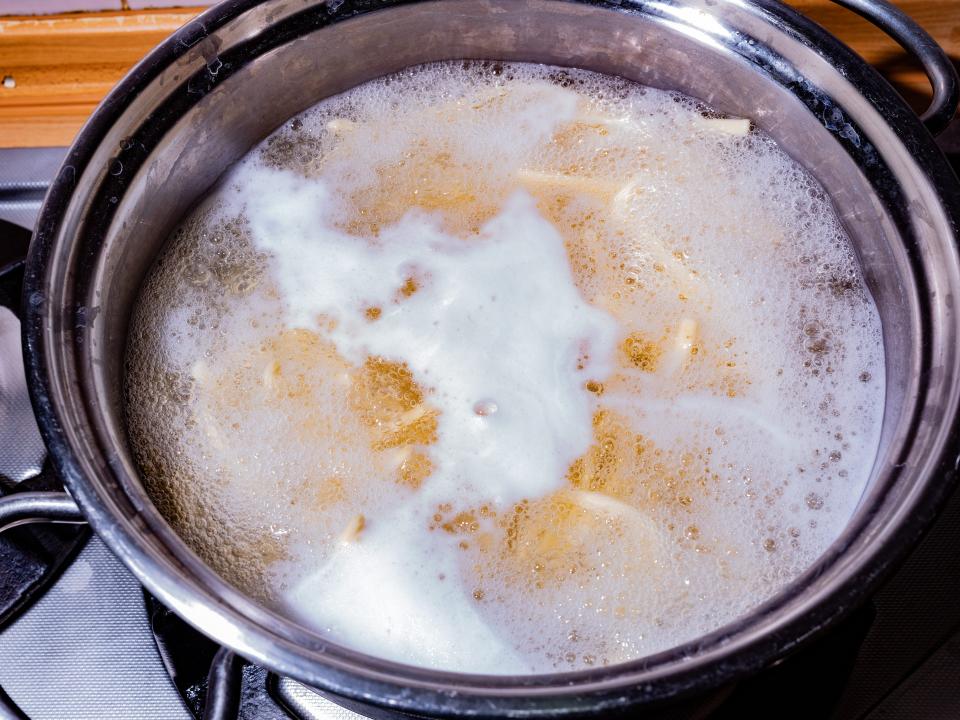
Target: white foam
{"type": "Point", "coordinates": [459, 333]}
{"type": "Point", "coordinates": [508, 430]}
{"type": "Point", "coordinates": [393, 596]}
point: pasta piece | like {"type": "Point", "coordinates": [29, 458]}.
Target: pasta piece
{"type": "Point", "coordinates": [686, 338]}
{"type": "Point", "coordinates": [728, 126]}
{"type": "Point", "coordinates": [341, 126]}
{"type": "Point", "coordinates": [685, 345]}
{"type": "Point", "coordinates": [664, 260]}
{"type": "Point", "coordinates": [351, 533]}
{"type": "Point", "coordinates": [537, 180]}
{"type": "Point", "coordinates": [606, 505]}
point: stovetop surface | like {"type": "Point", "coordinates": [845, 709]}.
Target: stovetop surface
{"type": "Point", "coordinates": [86, 648]}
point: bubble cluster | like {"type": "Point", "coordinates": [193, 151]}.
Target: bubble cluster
{"type": "Point", "coordinates": [303, 444]}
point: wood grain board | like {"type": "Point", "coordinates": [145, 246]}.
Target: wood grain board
{"type": "Point", "coordinates": [63, 65]}
{"type": "Point", "coordinates": [54, 69]}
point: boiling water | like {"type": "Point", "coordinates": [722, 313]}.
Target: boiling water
{"type": "Point", "coordinates": [507, 369]}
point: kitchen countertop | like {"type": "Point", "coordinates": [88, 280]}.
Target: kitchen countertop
{"type": "Point", "coordinates": [54, 69]}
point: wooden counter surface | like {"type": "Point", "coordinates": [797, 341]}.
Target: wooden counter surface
{"type": "Point", "coordinates": [54, 69]}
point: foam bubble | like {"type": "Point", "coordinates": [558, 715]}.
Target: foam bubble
{"type": "Point", "coordinates": [508, 368]}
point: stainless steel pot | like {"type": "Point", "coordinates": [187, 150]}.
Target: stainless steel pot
{"type": "Point", "coordinates": [224, 81]}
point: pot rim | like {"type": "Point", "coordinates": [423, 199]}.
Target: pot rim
{"type": "Point", "coordinates": [682, 669]}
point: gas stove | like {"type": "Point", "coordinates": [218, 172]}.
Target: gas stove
{"type": "Point", "coordinates": [80, 638]}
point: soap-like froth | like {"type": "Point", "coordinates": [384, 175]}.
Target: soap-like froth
{"type": "Point", "coordinates": [508, 368]}
{"type": "Point", "coordinates": [457, 332]}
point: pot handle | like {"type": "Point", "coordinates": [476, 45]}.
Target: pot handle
{"type": "Point", "coordinates": [916, 41]}
{"type": "Point", "coordinates": [30, 507]}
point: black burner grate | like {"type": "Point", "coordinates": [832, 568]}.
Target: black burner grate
{"type": "Point", "coordinates": [32, 556]}
{"type": "Point", "coordinates": [195, 664]}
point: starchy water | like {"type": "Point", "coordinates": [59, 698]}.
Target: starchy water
{"type": "Point", "coordinates": [508, 368]}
